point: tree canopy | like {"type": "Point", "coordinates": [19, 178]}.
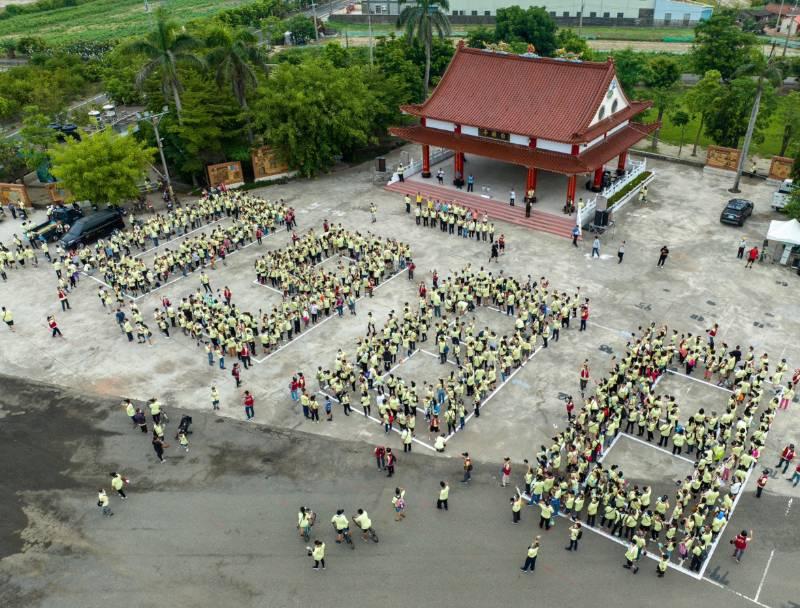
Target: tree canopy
{"type": "Point", "coordinates": [721, 45]}
{"type": "Point", "coordinates": [533, 25]}
{"type": "Point", "coordinates": [102, 168]}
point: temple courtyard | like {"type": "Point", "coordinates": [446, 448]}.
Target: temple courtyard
{"type": "Point", "coordinates": [217, 525]}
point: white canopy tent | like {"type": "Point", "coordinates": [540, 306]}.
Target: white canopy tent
{"type": "Point", "coordinates": [787, 233]}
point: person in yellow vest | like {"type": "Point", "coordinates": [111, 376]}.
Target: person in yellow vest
{"type": "Point", "coordinates": [214, 397]}
{"type": "Point", "coordinates": [575, 534]}
{"type": "Point", "coordinates": [530, 558]}
{"type": "Point", "coordinates": [317, 554]}
{"type": "Point", "coordinates": [631, 555]}
{"type": "Point", "coordinates": [102, 502]}
{"type": "Point", "coordinates": [118, 483]}
{"type": "Point", "coordinates": [8, 318]}
{"type": "Point", "coordinates": [661, 568]}
{"type": "Point", "coordinates": [516, 508]}
{"type": "Point", "coordinates": [444, 494]}
{"type": "Point", "coordinates": [546, 512]}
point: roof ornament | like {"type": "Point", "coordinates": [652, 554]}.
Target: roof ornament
{"type": "Point", "coordinates": [460, 44]}
{"type": "Point", "coordinates": [531, 52]}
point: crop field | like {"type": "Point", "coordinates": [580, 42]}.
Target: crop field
{"type": "Point", "coordinates": [103, 19]}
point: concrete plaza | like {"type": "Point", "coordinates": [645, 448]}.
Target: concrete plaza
{"type": "Point", "coordinates": [217, 525]}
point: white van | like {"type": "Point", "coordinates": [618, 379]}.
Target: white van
{"type": "Point", "coordinates": [781, 196]}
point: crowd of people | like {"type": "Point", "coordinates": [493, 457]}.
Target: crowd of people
{"type": "Point", "coordinates": [480, 358]}
{"type": "Point", "coordinates": [248, 219]}
{"type": "Point", "coordinates": [568, 476]}
{"type": "Point", "coordinates": [451, 218]}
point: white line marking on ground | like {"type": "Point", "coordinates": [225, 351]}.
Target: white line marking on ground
{"type": "Point", "coordinates": [396, 430]}
{"type": "Point", "coordinates": [501, 385]}
{"type": "Point", "coordinates": [727, 521]}
{"type": "Point", "coordinates": [764, 576]}
{"type": "Point", "coordinates": [657, 447]}
{"type": "Point", "coordinates": [721, 388]}
{"type": "Point", "coordinates": [788, 507]}
{"type": "Point", "coordinates": [308, 331]}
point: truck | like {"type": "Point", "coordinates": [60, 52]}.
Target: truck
{"type": "Point", "coordinates": [780, 197]}
{"type": "Point", "coordinates": [59, 221]}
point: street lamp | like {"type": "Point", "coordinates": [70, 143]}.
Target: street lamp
{"type": "Point", "coordinates": [154, 119]}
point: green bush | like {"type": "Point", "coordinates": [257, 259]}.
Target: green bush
{"type": "Point", "coordinates": [613, 200]}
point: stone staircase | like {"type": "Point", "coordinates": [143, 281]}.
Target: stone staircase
{"type": "Point", "coordinates": [559, 225]}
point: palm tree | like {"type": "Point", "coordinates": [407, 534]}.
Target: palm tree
{"type": "Point", "coordinates": [770, 72]}
{"type": "Point", "coordinates": [421, 19]}
{"type": "Point", "coordinates": [234, 55]}
{"type": "Point", "coordinates": [165, 47]}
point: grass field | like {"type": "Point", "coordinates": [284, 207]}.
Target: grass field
{"type": "Point", "coordinates": [672, 134]}
{"type": "Point", "coordinates": [103, 19]}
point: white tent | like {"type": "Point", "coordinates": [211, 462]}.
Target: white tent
{"type": "Point", "coordinates": [787, 233]}
{"type": "Point", "coordinates": [784, 232]}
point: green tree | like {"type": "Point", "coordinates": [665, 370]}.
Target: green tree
{"type": "Point", "coordinates": [421, 20]}
{"type": "Point", "coordinates": [680, 119]}
{"type": "Point", "coordinates": [720, 44]}
{"type": "Point", "coordinates": [302, 28]}
{"type": "Point", "coordinates": [792, 208]}
{"type": "Point", "coordinates": [212, 129]}
{"type": "Point", "coordinates": [392, 58]}
{"type": "Point", "coordinates": [36, 137]}
{"type": "Point", "coordinates": [769, 78]}
{"type": "Point", "coordinates": [102, 168]}
{"type": "Point", "coordinates": [630, 67]}
{"type": "Point", "coordinates": [661, 77]}
{"type": "Point", "coordinates": [533, 25]}
{"type": "Point", "coordinates": [235, 56]}
{"type": "Point", "coordinates": [700, 99]}
{"type": "Point", "coordinates": [314, 112]}
{"type": "Point", "coordinates": [272, 28]}
{"type": "Point", "coordinates": [727, 123]}
{"type": "Point", "coordinates": [790, 117]}
{"type": "Point", "coordinates": [12, 162]}
{"type": "Point", "coordinates": [569, 42]}
{"type": "Point", "coordinates": [480, 37]}
{"type": "Point", "coordinates": [165, 48]}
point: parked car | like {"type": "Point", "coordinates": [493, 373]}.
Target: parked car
{"type": "Point", "coordinates": [92, 227]}
{"type": "Point", "coordinates": [736, 211]}
{"type": "Point", "coordinates": [59, 221]}
{"type": "Point", "coordinates": [781, 196]}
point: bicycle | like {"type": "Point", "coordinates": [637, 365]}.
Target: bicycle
{"type": "Point", "coordinates": [373, 536]}
{"type": "Point", "coordinates": [348, 538]}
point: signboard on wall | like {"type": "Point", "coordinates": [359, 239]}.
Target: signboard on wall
{"type": "Point", "coordinates": [266, 163]}
{"type": "Point", "coordinates": [229, 173]}
{"type": "Point", "coordinates": [14, 194]}
{"type": "Point", "coordinates": [722, 158]}
{"type": "Point", "coordinates": [780, 168]}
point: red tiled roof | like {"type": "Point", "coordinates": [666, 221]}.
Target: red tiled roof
{"type": "Point", "coordinates": [528, 157]}
{"type": "Point", "coordinates": [786, 9]}
{"type": "Point", "coordinates": [534, 96]}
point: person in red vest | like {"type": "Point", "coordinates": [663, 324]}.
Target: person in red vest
{"type": "Point", "coordinates": [787, 455]}
{"type": "Point", "coordinates": [411, 267]}
{"type": "Point", "coordinates": [51, 323]}
{"type": "Point", "coordinates": [752, 256]}
{"type": "Point", "coordinates": [740, 544]}
{"type": "Point", "coordinates": [761, 482]}
{"type": "Point", "coordinates": [249, 402]}
{"type": "Point", "coordinates": [584, 372]}
{"type": "Point", "coordinates": [584, 314]}
{"type": "Point", "coordinates": [62, 297]}
{"type": "Point", "coordinates": [226, 293]}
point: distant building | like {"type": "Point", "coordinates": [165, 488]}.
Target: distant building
{"type": "Point", "coordinates": [669, 13]}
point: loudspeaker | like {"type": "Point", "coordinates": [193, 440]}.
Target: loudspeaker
{"type": "Point", "coordinates": [601, 218]}
{"type": "Point", "coordinates": [380, 164]}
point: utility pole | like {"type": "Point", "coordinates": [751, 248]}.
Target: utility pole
{"type": "Point", "coordinates": [154, 119]}
{"type": "Point", "coordinates": [748, 137]}
{"type": "Point", "coordinates": [369, 26]}
{"type": "Point", "coordinates": [789, 28]}
{"type": "Point", "coordinates": [316, 31]}
{"type": "Point", "coordinates": [580, 17]}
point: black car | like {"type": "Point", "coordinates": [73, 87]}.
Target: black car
{"type": "Point", "coordinates": [59, 220]}
{"type": "Point", "coordinates": [736, 211]}
{"type": "Point", "coordinates": [92, 227]}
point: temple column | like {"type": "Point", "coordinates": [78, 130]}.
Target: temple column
{"type": "Point", "coordinates": [530, 180]}
{"type": "Point", "coordinates": [597, 183]}
{"type": "Point", "coordinates": [426, 161]}
{"type": "Point", "coordinates": [571, 187]}
{"type": "Point", "coordinates": [623, 160]}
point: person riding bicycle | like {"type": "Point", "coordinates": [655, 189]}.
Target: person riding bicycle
{"type": "Point", "coordinates": [339, 521]}
{"type": "Point", "coordinates": [363, 521]}
{"type": "Point", "coordinates": [305, 519]}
